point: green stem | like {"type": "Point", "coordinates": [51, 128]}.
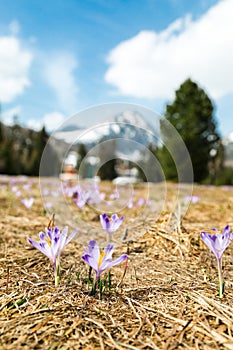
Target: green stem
{"type": "Point", "coordinates": [101, 288]}
{"type": "Point", "coordinates": [93, 289]}
{"type": "Point", "coordinates": [109, 280]}
{"type": "Point", "coordinates": [221, 283]}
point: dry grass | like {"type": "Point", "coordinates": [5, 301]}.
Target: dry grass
{"type": "Point", "coordinates": [168, 299]}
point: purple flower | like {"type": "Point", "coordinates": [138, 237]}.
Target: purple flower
{"type": "Point", "coordinates": [27, 202]}
{"type": "Point", "coordinates": [27, 187]}
{"type": "Point", "coordinates": [191, 199]}
{"type": "Point", "coordinates": [217, 242]}
{"type": "Point", "coordinates": [130, 204]}
{"type": "Point", "coordinates": [110, 225]}
{"type": "Point", "coordinates": [51, 244]}
{"type": "Point", "coordinates": [82, 198]}
{"type": "Point", "coordinates": [101, 260]}
{"type": "Point", "coordinates": [115, 195]}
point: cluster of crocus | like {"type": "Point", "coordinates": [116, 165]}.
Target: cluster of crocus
{"type": "Point", "coordinates": [217, 243]}
{"type": "Point", "coordinates": [98, 259]}
{"type": "Point", "coordinates": [51, 243]}
{"type": "Point", "coordinates": [82, 198]}
{"type": "Point", "coordinates": [141, 201]}
{"type": "Point", "coordinates": [85, 194]}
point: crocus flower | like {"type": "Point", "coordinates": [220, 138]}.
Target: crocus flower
{"type": "Point", "coordinates": [130, 204]}
{"type": "Point", "coordinates": [101, 260]}
{"type": "Point", "coordinates": [115, 195]}
{"type": "Point", "coordinates": [51, 244]}
{"type": "Point", "coordinates": [27, 202]}
{"type": "Point", "coordinates": [218, 243]}
{"type": "Point", "coordinates": [82, 198]}
{"type": "Point", "coordinates": [191, 199]}
{"type": "Point", "coordinates": [110, 225]}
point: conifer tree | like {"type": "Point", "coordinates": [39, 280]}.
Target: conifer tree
{"type": "Point", "coordinates": [38, 148]}
{"type": "Point", "coordinates": [191, 114]}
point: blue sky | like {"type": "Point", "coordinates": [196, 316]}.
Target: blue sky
{"type": "Point", "coordinates": [60, 57]}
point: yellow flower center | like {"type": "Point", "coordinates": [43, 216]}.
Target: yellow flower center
{"type": "Point", "coordinates": [102, 255]}
{"type": "Point", "coordinates": [48, 240]}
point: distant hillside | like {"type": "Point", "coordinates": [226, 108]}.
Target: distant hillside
{"type": "Point", "coordinates": [21, 150]}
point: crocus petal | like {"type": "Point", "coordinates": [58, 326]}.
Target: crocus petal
{"type": "Point", "coordinates": [108, 251]}
{"type": "Point", "coordinates": [91, 261]}
{"type": "Point", "coordinates": [114, 217]}
{"type": "Point", "coordinates": [63, 234]}
{"type": "Point", "coordinates": [93, 248]}
{"type": "Point", "coordinates": [42, 235]}
{"type": "Point", "coordinates": [103, 218]}
{"type": "Point", "coordinates": [108, 264]}
{"type": "Point", "coordinates": [209, 241]}
{"type": "Point", "coordinates": [71, 236]}
{"type": "Point", "coordinates": [226, 230]}
{"type": "Point", "coordinates": [41, 247]}
{"type": "Point", "coordinates": [118, 223]}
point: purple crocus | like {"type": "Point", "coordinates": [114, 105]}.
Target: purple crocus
{"type": "Point", "coordinates": [218, 243]}
{"type": "Point", "coordinates": [82, 198]}
{"type": "Point", "coordinates": [51, 244]}
{"type": "Point", "coordinates": [101, 260]}
{"type": "Point", "coordinates": [27, 202]}
{"type": "Point", "coordinates": [191, 199]}
{"type": "Point", "coordinates": [111, 224]}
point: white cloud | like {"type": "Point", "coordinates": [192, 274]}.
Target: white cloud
{"type": "Point", "coordinates": [34, 124]}
{"type": "Point", "coordinates": [153, 65]}
{"type": "Point", "coordinates": [51, 121]}
{"type": "Point", "coordinates": [15, 61]}
{"type": "Point", "coordinates": [59, 74]}
{"type": "Point", "coordinates": [9, 115]}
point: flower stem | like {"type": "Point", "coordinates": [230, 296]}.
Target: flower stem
{"type": "Point", "coordinates": [57, 272]}
{"type": "Point", "coordinates": [221, 282]}
{"type": "Point", "coordinates": [101, 288]}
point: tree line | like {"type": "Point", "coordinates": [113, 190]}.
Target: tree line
{"type": "Point", "coordinates": [192, 115]}
{"type": "Point", "coordinates": [21, 150]}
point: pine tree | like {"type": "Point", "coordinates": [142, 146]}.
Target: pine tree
{"type": "Point", "coordinates": [107, 155]}
{"type": "Point", "coordinates": [82, 152]}
{"type": "Point", "coordinates": [38, 148]}
{"type": "Point", "coordinates": [191, 114]}
{"type": "Point", "coordinates": [1, 133]}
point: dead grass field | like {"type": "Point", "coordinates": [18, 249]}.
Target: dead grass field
{"type": "Point", "coordinates": [168, 298]}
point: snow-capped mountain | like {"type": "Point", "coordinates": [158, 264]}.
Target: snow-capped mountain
{"type": "Point", "coordinates": [128, 125]}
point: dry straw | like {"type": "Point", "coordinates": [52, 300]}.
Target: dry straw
{"type": "Point", "coordinates": [164, 302]}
